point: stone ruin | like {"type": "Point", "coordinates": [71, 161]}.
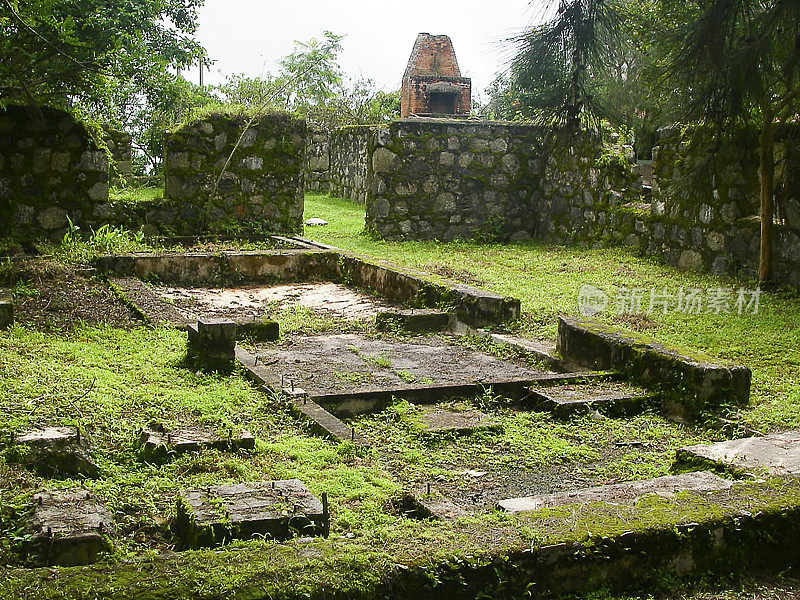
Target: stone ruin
{"type": "Point", "coordinates": [432, 84]}
{"type": "Point", "coordinates": [51, 168]}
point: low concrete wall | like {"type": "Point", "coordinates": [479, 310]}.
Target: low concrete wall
{"type": "Point", "coordinates": [688, 382]}
{"type": "Point", "coordinates": [472, 306]}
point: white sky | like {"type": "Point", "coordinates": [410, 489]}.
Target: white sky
{"type": "Point", "coordinates": [250, 36]}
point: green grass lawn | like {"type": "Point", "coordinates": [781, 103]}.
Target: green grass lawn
{"type": "Point", "coordinates": [547, 278]}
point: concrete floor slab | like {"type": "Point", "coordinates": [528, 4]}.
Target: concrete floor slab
{"type": "Point", "coordinates": [215, 515]}
{"type": "Point", "coordinates": [621, 493]}
{"type": "Point", "coordinates": [351, 363]}
{"type": "Point", "coordinates": [776, 454]}
{"type": "Point", "coordinates": [70, 527]}
{"type": "Point", "coordinates": [434, 420]}
{"type": "Point", "coordinates": [254, 301]}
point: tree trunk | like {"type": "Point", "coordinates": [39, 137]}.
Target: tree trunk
{"type": "Point", "coordinates": [766, 177]}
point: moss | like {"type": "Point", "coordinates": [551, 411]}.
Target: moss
{"type": "Point", "coordinates": [442, 555]}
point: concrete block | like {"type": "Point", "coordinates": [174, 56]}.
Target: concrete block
{"type": "Point", "coordinates": [157, 443]}
{"type": "Point", "coordinates": [54, 452]}
{"type": "Point", "coordinates": [216, 515]}
{"type": "Point", "coordinates": [70, 527]}
{"type": "Point", "coordinates": [212, 342]}
{"type": "Point", "coordinates": [774, 454]}
{"type": "Point", "coordinates": [688, 382]}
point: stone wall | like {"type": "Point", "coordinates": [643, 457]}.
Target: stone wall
{"type": "Point", "coordinates": [350, 161]}
{"type": "Point", "coordinates": [704, 213]}
{"type": "Point", "coordinates": [260, 189]}
{"type": "Point", "coordinates": [452, 179]}
{"type": "Point", "coordinates": [449, 179]}
{"type": "Point", "coordinates": [318, 159]}
{"type": "Point", "coordinates": [51, 168]}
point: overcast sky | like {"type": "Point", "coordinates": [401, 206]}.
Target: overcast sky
{"type": "Point", "coordinates": [250, 36]}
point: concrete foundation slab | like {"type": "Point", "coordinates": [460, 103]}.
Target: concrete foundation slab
{"type": "Point", "coordinates": [609, 397]}
{"type": "Point", "coordinates": [215, 515]}
{"type": "Point", "coordinates": [351, 363]}
{"type": "Point", "coordinates": [434, 420]}
{"type": "Point", "coordinates": [70, 527]}
{"type": "Point", "coordinates": [621, 493]}
{"type": "Point", "coordinates": [776, 454]}
{"type": "Point", "coordinates": [158, 443]}
{"type": "Point", "coordinates": [255, 301]}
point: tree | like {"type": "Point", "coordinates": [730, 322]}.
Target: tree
{"type": "Point", "coordinates": [726, 62]}
{"type": "Point", "coordinates": [59, 51]}
{"type": "Point", "coordinates": [311, 83]}
{"type": "Point", "coordinates": [739, 63]}
{"type": "Point", "coordinates": [553, 71]}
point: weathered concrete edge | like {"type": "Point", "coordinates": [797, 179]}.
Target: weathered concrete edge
{"type": "Point", "coordinates": [321, 421]}
{"type": "Point", "coordinates": [688, 382]}
{"type": "Point", "coordinates": [349, 404]}
{"type": "Point", "coordinates": [473, 306]}
{"type": "Point", "coordinates": [757, 526]}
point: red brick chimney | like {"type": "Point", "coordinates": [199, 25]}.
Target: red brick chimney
{"type": "Point", "coordinates": [432, 83]}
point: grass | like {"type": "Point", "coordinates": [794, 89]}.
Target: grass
{"type": "Point", "coordinates": [547, 279]}
{"type": "Point", "coordinates": [111, 382]}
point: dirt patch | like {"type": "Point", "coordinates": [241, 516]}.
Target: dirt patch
{"type": "Point", "coordinates": [57, 297]}
{"type": "Point", "coordinates": [461, 275]}
{"type": "Point", "coordinates": [259, 301]}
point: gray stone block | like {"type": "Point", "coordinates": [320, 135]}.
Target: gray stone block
{"type": "Point", "coordinates": [216, 515]}
{"type": "Point", "coordinates": [69, 528]}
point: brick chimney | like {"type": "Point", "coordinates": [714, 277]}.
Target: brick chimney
{"type": "Point", "coordinates": [432, 84]}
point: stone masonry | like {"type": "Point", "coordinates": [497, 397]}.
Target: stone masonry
{"type": "Point", "coordinates": [226, 173]}
{"type": "Point", "coordinates": [51, 168]}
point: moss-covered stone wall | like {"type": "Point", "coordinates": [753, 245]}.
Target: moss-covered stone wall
{"type": "Point", "coordinates": [229, 174]}
{"type": "Point", "coordinates": [704, 210]}
{"type": "Point", "coordinates": [451, 179]}
{"type": "Point", "coordinates": [318, 160]}
{"type": "Point", "coordinates": [350, 159]}
{"type": "Point", "coordinates": [51, 168]}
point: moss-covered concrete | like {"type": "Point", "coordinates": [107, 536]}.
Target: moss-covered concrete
{"type": "Point", "coordinates": [541, 554]}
